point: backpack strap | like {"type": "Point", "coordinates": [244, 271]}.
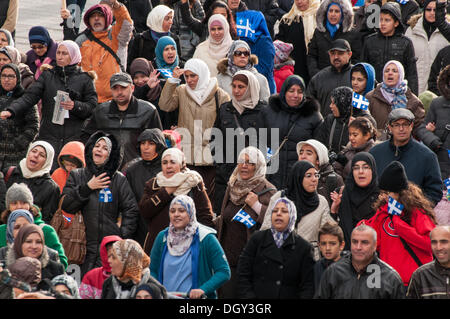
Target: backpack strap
{"type": "Point", "coordinates": [9, 173]}
{"type": "Point", "coordinates": [91, 37]}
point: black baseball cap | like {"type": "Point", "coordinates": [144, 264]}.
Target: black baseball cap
{"type": "Point", "coordinates": [340, 45]}
{"type": "Point", "coordinates": [121, 78]}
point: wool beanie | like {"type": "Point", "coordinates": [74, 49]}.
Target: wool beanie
{"type": "Point", "coordinates": [282, 51]}
{"type": "Point", "coordinates": [18, 192]}
{"type": "Point", "coordinates": [393, 178]}
{"type": "Point", "coordinates": [342, 97]}
{"type": "Point", "coordinates": [27, 269]}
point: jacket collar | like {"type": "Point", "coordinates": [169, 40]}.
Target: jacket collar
{"type": "Point", "coordinates": [132, 107]}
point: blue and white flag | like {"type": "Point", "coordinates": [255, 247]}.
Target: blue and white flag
{"type": "Point", "coordinates": [394, 207]}
{"type": "Point", "coordinates": [448, 151]}
{"type": "Point", "coordinates": [359, 3]}
{"type": "Point", "coordinates": [447, 184]}
{"type": "Point", "coordinates": [244, 28]}
{"type": "Point", "coordinates": [244, 218]}
{"type": "Point", "coordinates": [105, 196]}
{"type": "Point", "coordinates": [360, 102]}
{"type": "Point", "coordinates": [167, 73]}
{"type": "Point", "coordinates": [402, 1]}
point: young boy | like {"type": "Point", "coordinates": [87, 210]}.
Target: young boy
{"type": "Point", "coordinates": [331, 245]}
{"type": "Point", "coordinates": [389, 43]}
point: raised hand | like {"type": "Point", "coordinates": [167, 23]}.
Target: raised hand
{"type": "Point", "coordinates": [153, 80]}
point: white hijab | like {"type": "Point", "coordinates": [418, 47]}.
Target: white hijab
{"type": "Point", "coordinates": [219, 50]}
{"type": "Point", "coordinates": [47, 165]}
{"type": "Point", "coordinates": [251, 97]}
{"type": "Point", "coordinates": [205, 83]}
{"type": "Point", "coordinates": [156, 17]}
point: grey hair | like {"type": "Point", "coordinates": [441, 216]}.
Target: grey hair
{"type": "Point", "coordinates": [364, 227]}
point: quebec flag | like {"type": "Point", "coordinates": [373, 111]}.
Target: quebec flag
{"type": "Point", "coordinates": [403, 1]}
{"type": "Point", "coordinates": [359, 101]}
{"type": "Point", "coordinates": [244, 28]}
{"type": "Point", "coordinates": [105, 196]}
{"type": "Point", "coordinates": [447, 184]}
{"type": "Point", "coordinates": [166, 72]}
{"type": "Point", "coordinates": [244, 218]}
{"type": "Point", "coordinates": [394, 207]}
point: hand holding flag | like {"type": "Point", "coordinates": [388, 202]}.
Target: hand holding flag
{"type": "Point", "coordinates": [360, 102]}
{"type": "Point", "coordinates": [243, 217]}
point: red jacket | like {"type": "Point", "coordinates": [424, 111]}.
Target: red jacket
{"type": "Point", "coordinates": [390, 247]}
{"type": "Point", "coordinates": [281, 74]}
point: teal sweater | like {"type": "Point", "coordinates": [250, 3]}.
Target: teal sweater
{"type": "Point", "coordinates": [50, 236]}
{"type": "Point", "coordinates": [212, 266]}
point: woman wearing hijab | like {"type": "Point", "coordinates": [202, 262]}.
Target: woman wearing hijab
{"type": "Point", "coordinates": [286, 256]}
{"type": "Point", "coordinates": [129, 269]}
{"type": "Point", "coordinates": [9, 54]}
{"type": "Point", "coordinates": [6, 38]}
{"type": "Point", "coordinates": [298, 119]}
{"type": "Point", "coordinates": [67, 285]}
{"type": "Point", "coordinates": [354, 201]}
{"type": "Point", "coordinates": [393, 93]}
{"type": "Point", "coordinates": [102, 194]}
{"type": "Point", "coordinates": [30, 242]}
{"type": "Point", "coordinates": [240, 58]}
{"type": "Point", "coordinates": [247, 189]}
{"type": "Point", "coordinates": [34, 171]}
{"type": "Point", "coordinates": [43, 50]}
{"type": "Point", "coordinates": [186, 256]}
{"type": "Point", "coordinates": [16, 133]}
{"type": "Point", "coordinates": [312, 208]}
{"type": "Point", "coordinates": [427, 41]}
{"type": "Point", "coordinates": [300, 20]}
{"type": "Point", "coordinates": [217, 45]}
{"type": "Point", "coordinates": [197, 102]}
{"type": "Point", "coordinates": [174, 179]}
{"type": "Point", "coordinates": [80, 98]}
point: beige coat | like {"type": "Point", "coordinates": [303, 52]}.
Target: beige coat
{"type": "Point", "coordinates": [176, 97]}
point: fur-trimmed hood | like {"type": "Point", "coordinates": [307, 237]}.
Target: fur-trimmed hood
{"type": "Point", "coordinates": [415, 18]}
{"type": "Point", "coordinates": [222, 66]}
{"type": "Point", "coordinates": [308, 107]}
{"type": "Point", "coordinates": [11, 256]}
{"type": "Point", "coordinates": [443, 82]}
{"type": "Point", "coordinates": [115, 157]}
{"type": "Point", "coordinates": [347, 9]}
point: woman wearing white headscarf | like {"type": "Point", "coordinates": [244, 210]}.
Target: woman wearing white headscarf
{"type": "Point", "coordinates": [186, 256]}
{"type": "Point", "coordinates": [287, 259]}
{"type": "Point", "coordinates": [34, 171]}
{"type": "Point", "coordinates": [174, 179]}
{"type": "Point", "coordinates": [247, 189]}
{"type": "Point", "coordinates": [198, 102]}
{"type": "Point", "coordinates": [217, 45]}
{"type": "Point", "coordinates": [393, 93]}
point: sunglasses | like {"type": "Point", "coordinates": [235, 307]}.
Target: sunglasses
{"type": "Point", "coordinates": [244, 53]}
{"type": "Point", "coordinates": [430, 9]}
{"type": "Point", "coordinates": [37, 47]}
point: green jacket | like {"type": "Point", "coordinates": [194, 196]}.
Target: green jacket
{"type": "Point", "coordinates": [50, 236]}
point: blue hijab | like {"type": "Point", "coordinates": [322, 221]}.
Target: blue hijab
{"type": "Point", "coordinates": [159, 49]}
{"type": "Point", "coordinates": [332, 28]}
{"type": "Point", "coordinates": [12, 221]}
{"type": "Point", "coordinates": [370, 74]}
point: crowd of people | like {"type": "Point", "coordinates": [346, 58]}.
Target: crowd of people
{"type": "Point", "coordinates": [227, 149]}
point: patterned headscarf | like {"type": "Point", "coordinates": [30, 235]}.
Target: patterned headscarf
{"type": "Point", "coordinates": [396, 95]}
{"type": "Point", "coordinates": [179, 241]}
{"type": "Point", "coordinates": [238, 44]}
{"type": "Point", "coordinates": [69, 282]}
{"type": "Point", "coordinates": [280, 237]}
{"type": "Point", "coordinates": [133, 259]}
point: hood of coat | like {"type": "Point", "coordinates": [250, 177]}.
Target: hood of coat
{"type": "Point", "coordinates": [308, 107]}
{"type": "Point", "coordinates": [104, 253]}
{"type": "Point", "coordinates": [347, 11]}
{"type": "Point", "coordinates": [443, 82]}
{"type": "Point", "coordinates": [154, 135]}
{"type": "Point", "coordinates": [222, 66]}
{"type": "Point", "coordinates": [115, 158]}
{"type": "Point", "coordinates": [74, 150]}
{"type": "Point", "coordinates": [395, 9]}
{"type": "Point", "coordinates": [104, 9]}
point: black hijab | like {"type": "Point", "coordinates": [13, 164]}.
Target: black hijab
{"type": "Point", "coordinates": [429, 27]}
{"type": "Point", "coordinates": [305, 202]}
{"type": "Point", "coordinates": [356, 203]}
{"type": "Point", "coordinates": [290, 81]}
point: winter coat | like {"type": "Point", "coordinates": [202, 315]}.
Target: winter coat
{"type": "Point", "coordinates": [380, 108]}
{"type": "Point", "coordinates": [154, 208]}
{"type": "Point", "coordinates": [176, 97]}
{"type": "Point", "coordinates": [202, 52]}
{"type": "Point", "coordinates": [268, 272]}
{"type": "Point", "coordinates": [27, 77]}
{"type": "Point", "coordinates": [328, 182]}
{"type": "Point", "coordinates": [282, 71]}
{"type": "Point", "coordinates": [101, 218]}
{"type": "Point", "coordinates": [408, 10]}
{"type": "Point", "coordinates": [45, 191]}
{"type": "Point", "coordinates": [224, 78]}
{"type": "Point", "coordinates": [344, 169]}
{"type": "Point", "coordinates": [430, 281]}
{"type": "Point", "coordinates": [321, 85]}
{"type": "Point", "coordinates": [421, 165]}
{"type": "Point", "coordinates": [321, 265]}
{"type": "Point", "coordinates": [78, 84]}
{"type": "Point", "coordinates": [61, 175]}
{"type": "Point", "coordinates": [233, 235]}
{"type": "Point", "coordinates": [318, 57]}
{"type": "Point", "coordinates": [96, 58]}
{"type": "Point", "coordinates": [442, 24]}
{"type": "Point", "coordinates": [32, 56]}
{"type": "Point", "coordinates": [341, 281]}
{"type": "Point", "coordinates": [139, 10]}
{"type": "Point", "coordinates": [360, 22]}
{"type": "Point", "coordinates": [304, 121]}
{"type": "Point", "coordinates": [92, 283]}
{"type": "Point", "coordinates": [424, 48]}
{"type": "Point", "coordinates": [389, 246]}
{"type": "Point", "coordinates": [125, 126]}
{"type": "Point", "coordinates": [440, 62]}
{"type": "Point", "coordinates": [209, 265]}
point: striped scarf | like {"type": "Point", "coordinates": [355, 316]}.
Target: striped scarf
{"type": "Point", "coordinates": [396, 96]}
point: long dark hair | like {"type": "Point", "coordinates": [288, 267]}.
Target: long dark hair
{"type": "Point", "coordinates": [230, 19]}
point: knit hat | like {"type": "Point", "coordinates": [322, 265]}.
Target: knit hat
{"type": "Point", "coordinates": [27, 269]}
{"type": "Point", "coordinates": [282, 51]}
{"type": "Point", "coordinates": [342, 97]}
{"type": "Point", "coordinates": [39, 34]}
{"type": "Point", "coordinates": [18, 192]}
{"type": "Point", "coordinates": [152, 289]}
{"type": "Point", "coordinates": [393, 178]}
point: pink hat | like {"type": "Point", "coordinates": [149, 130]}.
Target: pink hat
{"type": "Point", "coordinates": [282, 51]}
{"type": "Point", "coordinates": [74, 51]}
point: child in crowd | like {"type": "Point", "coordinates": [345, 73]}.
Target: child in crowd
{"type": "Point", "coordinates": [284, 64]}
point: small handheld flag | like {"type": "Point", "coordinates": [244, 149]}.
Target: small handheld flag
{"type": "Point", "coordinates": [394, 207]}
{"type": "Point", "coordinates": [167, 73]}
{"type": "Point", "coordinates": [105, 196]}
{"type": "Point", "coordinates": [360, 102]}
{"type": "Point", "coordinates": [403, 1]}
{"type": "Point", "coordinates": [243, 217]}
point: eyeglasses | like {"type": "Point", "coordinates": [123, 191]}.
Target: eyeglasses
{"type": "Point", "coordinates": [8, 76]}
{"type": "Point", "coordinates": [357, 168]}
{"type": "Point", "coordinates": [246, 163]}
{"type": "Point", "coordinates": [309, 175]}
{"type": "Point", "coordinates": [402, 125]}
{"type": "Point", "coordinates": [430, 9]}
{"type": "Point", "coordinates": [244, 53]}
{"type": "Point", "coordinates": [38, 47]}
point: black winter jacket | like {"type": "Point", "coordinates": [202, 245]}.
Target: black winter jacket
{"type": "Point", "coordinates": [304, 121]}
{"type": "Point", "coordinates": [268, 272]}
{"type": "Point", "coordinates": [341, 281]}
{"type": "Point", "coordinates": [431, 281]}
{"type": "Point", "coordinates": [101, 218]}
{"type": "Point", "coordinates": [441, 60]}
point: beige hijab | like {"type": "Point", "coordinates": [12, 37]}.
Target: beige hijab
{"type": "Point", "coordinates": [308, 16]}
{"type": "Point", "coordinates": [219, 50]}
{"type": "Point", "coordinates": [251, 97]}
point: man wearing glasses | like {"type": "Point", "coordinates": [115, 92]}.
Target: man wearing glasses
{"type": "Point", "coordinates": [421, 164]}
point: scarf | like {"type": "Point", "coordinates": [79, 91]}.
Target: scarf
{"type": "Point", "coordinates": [38, 63]}
{"type": "Point", "coordinates": [179, 241]}
{"type": "Point", "coordinates": [163, 42]}
{"type": "Point", "coordinates": [218, 50]}
{"type": "Point", "coordinates": [120, 288]}
{"type": "Point", "coordinates": [280, 237]}
{"type": "Point", "coordinates": [428, 26]}
{"type": "Point", "coordinates": [290, 81]}
{"type": "Point", "coordinates": [47, 165]}
{"type": "Point", "coordinates": [205, 83]}
{"type": "Point", "coordinates": [396, 96]}
{"type": "Point", "coordinates": [74, 51]}
{"type": "Point", "coordinates": [156, 17]}
{"type": "Point", "coordinates": [332, 28]}
{"type": "Point", "coordinates": [133, 259]}
{"type": "Point", "coordinates": [308, 17]}
{"type": "Point", "coordinates": [251, 96]}
{"type": "Point", "coordinates": [240, 188]}
{"type": "Point", "coordinates": [12, 221]}
{"type": "Point", "coordinates": [238, 44]}
{"type": "Point", "coordinates": [23, 234]}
